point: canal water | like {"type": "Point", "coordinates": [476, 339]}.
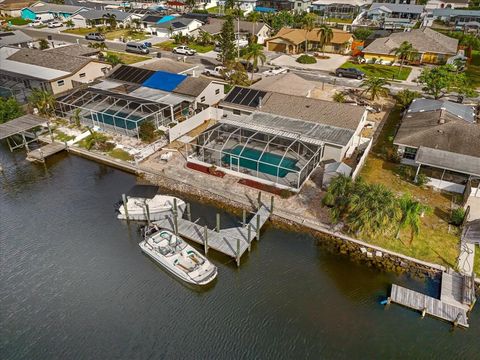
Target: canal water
{"type": "Point", "coordinates": [74, 285]}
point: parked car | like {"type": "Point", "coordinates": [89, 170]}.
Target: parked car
{"type": "Point", "coordinates": [137, 48]}
{"type": "Point", "coordinates": [218, 71]}
{"type": "Point", "coordinates": [350, 72]}
{"type": "Point", "coordinates": [55, 24]}
{"type": "Point", "coordinates": [277, 70]}
{"type": "Point", "coordinates": [36, 23]}
{"type": "Point", "coordinates": [184, 50]}
{"type": "Point", "coordinates": [96, 36]}
{"type": "Point", "coordinates": [147, 44]}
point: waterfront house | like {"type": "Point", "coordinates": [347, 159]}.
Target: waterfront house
{"type": "Point", "coordinates": [292, 41]}
{"type": "Point", "coordinates": [456, 18]}
{"type": "Point", "coordinates": [22, 70]}
{"type": "Point", "coordinates": [92, 17]}
{"type": "Point", "coordinates": [289, 5]}
{"type": "Point", "coordinates": [432, 47]}
{"type": "Point", "coordinates": [393, 16]}
{"type": "Point", "coordinates": [13, 8]}
{"type": "Point", "coordinates": [243, 29]}
{"type": "Point", "coordinates": [442, 140]}
{"type": "Point", "coordinates": [340, 9]}
{"type": "Point", "coordinates": [15, 38]}
{"type": "Point", "coordinates": [446, 4]}
{"type": "Point", "coordinates": [42, 9]}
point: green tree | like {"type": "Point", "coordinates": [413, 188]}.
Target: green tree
{"type": "Point", "coordinates": [254, 53]}
{"type": "Point", "coordinates": [308, 24]}
{"type": "Point", "coordinates": [254, 17]}
{"type": "Point", "coordinates": [411, 211]}
{"type": "Point", "coordinates": [227, 41]}
{"type": "Point", "coordinates": [405, 97]}
{"type": "Point", "coordinates": [69, 24]}
{"type": "Point", "coordinates": [97, 45]}
{"type": "Point", "coordinates": [9, 109]}
{"type": "Point", "coordinates": [113, 59]}
{"type": "Point", "coordinates": [404, 52]}
{"type": "Point", "coordinates": [339, 97]}
{"type": "Point", "coordinates": [43, 44]}
{"type": "Point", "coordinates": [362, 33]}
{"type": "Point", "coordinates": [375, 86]}
{"type": "Point", "coordinates": [146, 131]}
{"type": "Point", "coordinates": [204, 38]}
{"type": "Point", "coordinates": [111, 20]}
{"type": "Point", "coordinates": [440, 80]}
{"type": "Point", "coordinates": [229, 4]}
{"type": "Point", "coordinates": [279, 20]}
{"type": "Point", "coordinates": [75, 117]}
{"type": "Point", "coordinates": [44, 101]}
{"type": "Point", "coordinates": [326, 36]}
{"type": "Point", "coordinates": [235, 74]}
{"type": "Point", "coordinates": [337, 196]}
{"type": "Point", "coordinates": [190, 3]}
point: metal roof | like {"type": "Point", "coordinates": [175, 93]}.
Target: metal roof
{"type": "Point", "coordinates": [471, 232]}
{"type": "Point", "coordinates": [94, 14]}
{"type": "Point", "coordinates": [464, 112]}
{"type": "Point", "coordinates": [159, 96]}
{"type": "Point", "coordinates": [20, 124]}
{"type": "Point", "coordinates": [449, 161]}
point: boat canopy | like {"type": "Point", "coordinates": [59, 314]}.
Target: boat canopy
{"type": "Point", "coordinates": [143, 191]}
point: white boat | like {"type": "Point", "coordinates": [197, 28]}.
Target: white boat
{"type": "Point", "coordinates": [143, 200]}
{"type": "Point", "coordinates": [176, 256]}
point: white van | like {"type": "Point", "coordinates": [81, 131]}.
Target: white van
{"type": "Point", "coordinates": [137, 48]}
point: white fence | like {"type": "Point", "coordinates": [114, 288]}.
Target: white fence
{"type": "Point", "coordinates": [362, 160]}
{"type": "Point", "coordinates": [191, 123]}
{"type": "Point", "coordinates": [150, 149]}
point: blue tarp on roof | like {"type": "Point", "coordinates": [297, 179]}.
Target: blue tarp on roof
{"type": "Point", "coordinates": [265, 9]}
{"type": "Point", "coordinates": [165, 19]}
{"type": "Point", "coordinates": [163, 80]}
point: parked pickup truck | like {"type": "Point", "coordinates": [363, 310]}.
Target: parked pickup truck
{"type": "Point", "coordinates": [218, 71]}
{"type": "Point", "coordinates": [184, 50]}
{"type": "Point", "coordinates": [277, 70]}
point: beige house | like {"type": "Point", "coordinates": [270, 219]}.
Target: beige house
{"type": "Point", "coordinates": [293, 41]}
{"type": "Point", "coordinates": [25, 69]}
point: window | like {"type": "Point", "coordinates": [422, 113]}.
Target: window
{"type": "Point", "coordinates": [202, 99]}
{"type": "Point", "coordinates": [217, 91]}
{"type": "Point", "coordinates": [410, 153]}
{"type": "Point", "coordinates": [82, 75]}
{"type": "Point", "coordinates": [236, 112]}
{"type": "Point", "coordinates": [61, 82]}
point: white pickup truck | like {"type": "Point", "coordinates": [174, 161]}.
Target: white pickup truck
{"type": "Point", "coordinates": [184, 50]}
{"type": "Point", "coordinates": [218, 71]}
{"type": "Point", "coordinates": [277, 70]}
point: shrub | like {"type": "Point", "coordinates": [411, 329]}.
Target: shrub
{"type": "Point", "coordinates": [18, 21]}
{"type": "Point", "coordinates": [146, 131]}
{"type": "Point", "coordinates": [422, 180]}
{"type": "Point", "coordinates": [391, 154]}
{"type": "Point", "coordinates": [306, 59]}
{"type": "Point", "coordinates": [339, 97]}
{"type": "Point", "coordinates": [406, 172]}
{"type": "Point", "coordinates": [457, 216]}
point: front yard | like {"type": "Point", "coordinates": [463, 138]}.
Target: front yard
{"type": "Point", "coordinates": [473, 69]}
{"type": "Point", "coordinates": [383, 71]}
{"type": "Point", "coordinates": [170, 44]}
{"type": "Point", "coordinates": [127, 58]}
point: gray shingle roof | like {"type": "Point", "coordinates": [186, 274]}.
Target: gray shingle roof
{"type": "Point", "coordinates": [13, 38]}
{"type": "Point", "coordinates": [464, 112]}
{"type": "Point", "coordinates": [448, 160]}
{"type": "Point", "coordinates": [168, 65]}
{"type": "Point", "coordinates": [48, 7]}
{"type": "Point", "coordinates": [455, 12]}
{"type": "Point", "coordinates": [399, 8]}
{"type": "Point", "coordinates": [215, 26]}
{"type": "Point", "coordinates": [424, 40]}
{"type": "Point", "coordinates": [100, 14]}
{"type": "Point", "coordinates": [74, 50]}
{"type": "Point", "coordinates": [192, 86]}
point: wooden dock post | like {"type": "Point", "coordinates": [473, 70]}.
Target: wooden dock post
{"type": "Point", "coordinates": [175, 207]}
{"type": "Point", "coordinates": [259, 200]}
{"type": "Point", "coordinates": [124, 199]}
{"type": "Point", "coordinates": [238, 252]}
{"type": "Point", "coordinates": [244, 217]}
{"type": "Point", "coordinates": [258, 227]}
{"type": "Point", "coordinates": [271, 204]}
{"type": "Point", "coordinates": [189, 213]}
{"type": "Point", "coordinates": [217, 228]}
{"type": "Point", "coordinates": [249, 237]}
{"type": "Point", "coordinates": [148, 213]}
{"type": "Point", "coordinates": [205, 239]}
{"type": "Point", "coordinates": [424, 311]}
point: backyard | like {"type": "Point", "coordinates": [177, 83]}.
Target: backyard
{"type": "Point", "coordinates": [437, 241]}
{"type": "Point", "coordinates": [383, 71]}
{"type": "Point", "coordinates": [170, 44]}
{"type": "Point", "coordinates": [126, 58]}
{"type": "Point", "coordinates": [473, 69]}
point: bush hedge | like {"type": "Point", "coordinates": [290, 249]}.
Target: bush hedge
{"type": "Point", "coordinates": [306, 59]}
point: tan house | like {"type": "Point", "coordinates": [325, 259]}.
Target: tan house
{"type": "Point", "coordinates": [293, 41]}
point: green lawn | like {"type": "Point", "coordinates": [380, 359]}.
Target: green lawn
{"type": "Point", "coordinates": [473, 69]}
{"type": "Point", "coordinates": [120, 154]}
{"type": "Point", "coordinates": [17, 21]}
{"type": "Point", "coordinates": [169, 45]}
{"type": "Point", "coordinates": [79, 31]}
{"type": "Point", "coordinates": [338, 20]}
{"type": "Point", "coordinates": [128, 58]}
{"type": "Point", "coordinates": [476, 266]}
{"type": "Point", "coordinates": [384, 71]}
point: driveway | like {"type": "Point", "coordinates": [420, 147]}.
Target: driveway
{"type": "Point", "coordinates": [329, 65]}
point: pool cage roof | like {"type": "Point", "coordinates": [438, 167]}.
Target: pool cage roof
{"type": "Point", "coordinates": [103, 101]}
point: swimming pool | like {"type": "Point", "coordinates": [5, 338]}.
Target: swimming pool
{"type": "Point", "coordinates": [119, 120]}
{"type": "Point", "coordinates": [251, 157]}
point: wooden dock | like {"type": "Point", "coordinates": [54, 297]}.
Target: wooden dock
{"type": "Point", "coordinates": [456, 299]}
{"type": "Point", "coordinates": [233, 242]}
{"type": "Point", "coordinates": [45, 151]}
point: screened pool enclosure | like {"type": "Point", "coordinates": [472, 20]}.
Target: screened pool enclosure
{"type": "Point", "coordinates": [114, 112]}
{"type": "Point", "coordinates": [272, 159]}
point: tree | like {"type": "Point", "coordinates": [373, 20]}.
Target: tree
{"type": "Point", "coordinates": [229, 4]}
{"type": "Point", "coordinates": [235, 73]}
{"type": "Point", "coordinates": [254, 17]}
{"type": "Point", "coordinates": [404, 52]}
{"type": "Point", "coordinates": [281, 19]}
{"type": "Point", "coordinates": [308, 24]}
{"type": "Point", "coordinates": [204, 38]}
{"type": "Point", "coordinates": [113, 59]}
{"type": "Point", "coordinates": [440, 80]}
{"type": "Point", "coordinates": [362, 33]}
{"type": "Point", "coordinates": [97, 45]}
{"type": "Point", "coordinates": [337, 196]}
{"type": "Point", "coordinates": [227, 41]}
{"type": "Point", "coordinates": [69, 24]}
{"type": "Point", "coordinates": [326, 36]}
{"type": "Point", "coordinates": [411, 211]}
{"type": "Point", "coordinates": [405, 97]}
{"type": "Point", "coordinates": [375, 86]}
{"type": "Point", "coordinates": [9, 109]}
{"type": "Point", "coordinates": [255, 53]}
{"type": "Point", "coordinates": [190, 3]}
{"type": "Point", "coordinates": [146, 131]}
{"type": "Point", "coordinates": [339, 97]}
{"type": "Point", "coordinates": [111, 20]}
{"type": "Point", "coordinates": [43, 44]}
{"type": "Point", "coordinates": [44, 101]}
{"type": "Point", "coordinates": [75, 117]}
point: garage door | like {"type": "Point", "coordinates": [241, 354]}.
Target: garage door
{"type": "Point", "coordinates": [277, 47]}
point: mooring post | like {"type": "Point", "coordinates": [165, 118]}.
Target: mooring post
{"type": "Point", "coordinates": [258, 227]}
{"type": "Point", "coordinates": [205, 239]}
{"type": "Point", "coordinates": [50, 132]}
{"type": "Point", "coordinates": [175, 207]}
{"type": "Point", "coordinates": [249, 237]}
{"type": "Point", "coordinates": [238, 252]}
{"type": "Point", "coordinates": [271, 204]}
{"type": "Point", "coordinates": [424, 312]}
{"type": "Point", "coordinates": [124, 199]}
{"type": "Point", "coordinates": [259, 199]}
{"type": "Point", "coordinates": [189, 214]}
{"type": "Point", "coordinates": [217, 229]}
{"type": "Point", "coordinates": [148, 214]}
{"type": "Point", "coordinates": [25, 142]}
{"type": "Point", "coordinates": [244, 217]}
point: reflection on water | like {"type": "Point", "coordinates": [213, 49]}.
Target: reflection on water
{"type": "Point", "coordinates": [74, 284]}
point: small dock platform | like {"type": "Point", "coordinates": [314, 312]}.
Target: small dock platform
{"type": "Point", "coordinates": [233, 242]}
{"type": "Point", "coordinates": [45, 151]}
{"type": "Point", "coordinates": [457, 297]}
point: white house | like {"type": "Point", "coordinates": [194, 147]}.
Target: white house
{"type": "Point", "coordinates": [169, 25]}
{"type": "Point", "coordinates": [100, 17]}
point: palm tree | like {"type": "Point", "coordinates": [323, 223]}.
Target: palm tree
{"type": "Point", "coordinates": [337, 196]}
{"type": "Point", "coordinates": [235, 73]}
{"type": "Point", "coordinates": [308, 24]}
{"type": "Point", "coordinates": [403, 52]}
{"type": "Point", "coordinates": [255, 52]}
{"type": "Point", "coordinates": [136, 23]}
{"type": "Point", "coordinates": [411, 211]}
{"type": "Point", "coordinates": [326, 36]}
{"type": "Point", "coordinates": [43, 44]}
{"type": "Point", "coordinates": [170, 30]}
{"type": "Point", "coordinates": [375, 86]}
{"type": "Point", "coordinates": [75, 117]}
{"type": "Point", "coordinates": [254, 17]}
{"type": "Point", "coordinates": [113, 59]}
{"type": "Point", "coordinates": [69, 24]}
{"type": "Point", "coordinates": [44, 101]}
{"type": "Point", "coordinates": [204, 38]}
{"type": "Point", "coordinates": [111, 20]}
{"type": "Point", "coordinates": [98, 45]}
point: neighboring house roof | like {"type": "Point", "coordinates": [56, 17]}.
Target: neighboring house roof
{"type": "Point", "coordinates": [176, 23]}
{"type": "Point", "coordinates": [192, 86]}
{"type": "Point", "coordinates": [51, 60]}
{"type": "Point", "coordinates": [40, 7]}
{"type": "Point", "coordinates": [215, 26]}
{"type": "Point", "coordinates": [342, 2]}
{"type": "Point", "coordinates": [13, 38]}
{"type": "Point", "coordinates": [297, 36]}
{"type": "Point", "coordinates": [398, 8]}
{"type": "Point", "coordinates": [448, 160]}
{"type": "Point", "coordinates": [423, 40]}
{"type": "Point", "coordinates": [162, 80]}
{"type": "Point", "coordinates": [464, 112]}
{"type": "Point", "coordinates": [441, 129]}
{"type": "Point", "coordinates": [102, 14]}
{"type": "Point", "coordinates": [455, 12]}
{"type": "Point", "coordinates": [14, 4]}
{"type": "Point", "coordinates": [289, 83]}
{"type": "Point", "coordinates": [168, 65]}
{"type": "Point", "coordinates": [74, 50]}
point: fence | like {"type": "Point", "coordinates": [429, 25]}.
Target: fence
{"type": "Point", "coordinates": [362, 160]}
{"type": "Point", "coordinates": [191, 123]}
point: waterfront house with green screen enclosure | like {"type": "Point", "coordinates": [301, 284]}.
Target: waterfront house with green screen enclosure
{"type": "Point", "coordinates": [277, 139]}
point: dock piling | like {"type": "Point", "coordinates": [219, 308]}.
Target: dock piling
{"type": "Point", "coordinates": [259, 200]}
{"type": "Point", "coordinates": [175, 208]}
{"type": "Point", "coordinates": [124, 199]}
{"type": "Point", "coordinates": [217, 228]}
{"type": "Point", "coordinates": [189, 213]}
{"type": "Point", "coordinates": [271, 204]}
{"type": "Point", "coordinates": [205, 239]}
{"type": "Point", "coordinates": [148, 214]}
{"type": "Point", "coordinates": [258, 227]}
{"type": "Point", "coordinates": [238, 252]}
{"type": "Point", "coordinates": [244, 217]}
{"type": "Point", "coordinates": [249, 237]}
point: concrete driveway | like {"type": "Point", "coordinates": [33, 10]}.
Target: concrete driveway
{"type": "Point", "coordinates": [333, 62]}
